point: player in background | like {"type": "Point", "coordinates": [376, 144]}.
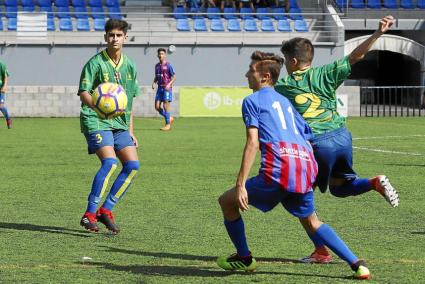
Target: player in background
{"type": "Point", "coordinates": [164, 78]}
{"type": "Point", "coordinates": [312, 92]}
{"type": "Point", "coordinates": [113, 138]}
{"type": "Point", "coordinates": [4, 78]}
{"type": "Point", "coordinates": [287, 172]}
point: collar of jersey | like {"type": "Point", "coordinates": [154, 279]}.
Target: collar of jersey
{"type": "Point", "coordinates": [116, 66]}
{"type": "Point", "coordinates": [298, 72]}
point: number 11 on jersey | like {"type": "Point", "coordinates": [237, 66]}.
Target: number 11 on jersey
{"type": "Point", "coordinates": [276, 105]}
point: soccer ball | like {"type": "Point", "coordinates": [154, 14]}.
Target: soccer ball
{"type": "Point", "coordinates": [109, 100]}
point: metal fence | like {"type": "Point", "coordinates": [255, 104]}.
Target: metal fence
{"type": "Point", "coordinates": [392, 101]}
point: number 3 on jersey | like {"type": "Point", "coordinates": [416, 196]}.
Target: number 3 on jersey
{"type": "Point", "coordinates": [276, 105]}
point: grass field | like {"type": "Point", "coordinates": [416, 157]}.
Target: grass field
{"type": "Point", "coordinates": [171, 224]}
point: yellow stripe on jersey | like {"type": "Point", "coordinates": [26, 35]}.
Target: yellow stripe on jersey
{"type": "Point", "coordinates": [125, 184]}
{"type": "Point", "coordinates": [105, 183]}
{"type": "Point", "coordinates": [115, 66]}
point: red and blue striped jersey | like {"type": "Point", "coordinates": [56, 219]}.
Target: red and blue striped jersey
{"type": "Point", "coordinates": [163, 73]}
{"type": "Point", "coordinates": [286, 155]}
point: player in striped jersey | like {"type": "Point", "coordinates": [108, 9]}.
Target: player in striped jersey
{"type": "Point", "coordinates": [287, 173]}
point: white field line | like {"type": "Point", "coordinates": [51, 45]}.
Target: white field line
{"type": "Point", "coordinates": [388, 152]}
{"type": "Point", "coordinates": [389, 137]}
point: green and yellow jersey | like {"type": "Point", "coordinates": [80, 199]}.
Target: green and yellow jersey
{"type": "Point", "coordinates": [100, 69]}
{"type": "Point", "coordinates": [3, 73]}
{"type": "Point", "coordinates": [312, 92]}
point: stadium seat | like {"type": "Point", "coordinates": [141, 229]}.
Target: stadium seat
{"type": "Point", "coordinates": [178, 13]}
{"type": "Point", "coordinates": [230, 13]}
{"type": "Point", "coordinates": [28, 8]}
{"type": "Point", "coordinates": [51, 24]}
{"type": "Point", "coordinates": [278, 13]}
{"type": "Point", "coordinates": [342, 3]}
{"type": "Point", "coordinates": [65, 24]}
{"type": "Point", "coordinates": [1, 22]}
{"type": "Point", "coordinates": [246, 13]}
{"type": "Point", "coordinates": [250, 25]}
{"type": "Point", "coordinates": [45, 3]}
{"type": "Point", "coordinates": [99, 24]}
{"type": "Point", "coordinates": [112, 3]}
{"type": "Point", "coordinates": [267, 25]}
{"type": "Point", "coordinates": [183, 25]}
{"type": "Point", "coordinates": [217, 25]}
{"type": "Point", "coordinates": [421, 4]}
{"type": "Point", "coordinates": [293, 4]}
{"type": "Point", "coordinates": [11, 11]}
{"type": "Point", "coordinates": [97, 12]}
{"type": "Point", "coordinates": [300, 26]}
{"type": "Point", "coordinates": [374, 4]}
{"type": "Point", "coordinates": [11, 3]}
{"type": "Point", "coordinates": [212, 13]}
{"type": "Point", "coordinates": [199, 25]}
{"type": "Point", "coordinates": [390, 4]}
{"type": "Point", "coordinates": [95, 3]}
{"type": "Point", "coordinates": [28, 3]}
{"type": "Point", "coordinates": [83, 25]}
{"type": "Point", "coordinates": [262, 13]}
{"type": "Point", "coordinates": [78, 3]}
{"type": "Point", "coordinates": [358, 4]}
{"type": "Point", "coordinates": [195, 13]}
{"type": "Point", "coordinates": [63, 12]}
{"type": "Point", "coordinates": [295, 14]}
{"type": "Point", "coordinates": [61, 3]}
{"type": "Point", "coordinates": [48, 10]}
{"type": "Point", "coordinates": [407, 4]}
{"type": "Point", "coordinates": [81, 12]}
{"type": "Point", "coordinates": [11, 24]}
{"type": "Point", "coordinates": [283, 26]}
{"type": "Point", "coordinates": [233, 25]}
{"type": "Point", "coordinates": [115, 12]}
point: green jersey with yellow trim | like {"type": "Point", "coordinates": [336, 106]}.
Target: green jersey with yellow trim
{"type": "Point", "coordinates": [100, 69]}
{"type": "Point", "coordinates": [312, 92]}
{"type": "Point", "coordinates": [3, 73]}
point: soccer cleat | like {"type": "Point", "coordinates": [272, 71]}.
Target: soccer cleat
{"type": "Point", "coordinates": [88, 221]}
{"type": "Point", "coordinates": [9, 123]}
{"type": "Point", "coordinates": [106, 218]}
{"type": "Point", "coordinates": [236, 262]}
{"type": "Point", "coordinates": [382, 185]}
{"type": "Point", "coordinates": [167, 127]}
{"type": "Point", "coordinates": [361, 272]}
{"type": "Point", "coordinates": [171, 119]}
{"type": "Point", "coordinates": [319, 255]}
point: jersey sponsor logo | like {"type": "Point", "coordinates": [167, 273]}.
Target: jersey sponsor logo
{"type": "Point", "coordinates": [294, 153]}
{"type": "Point", "coordinates": [312, 102]}
{"type": "Point", "coordinates": [85, 81]}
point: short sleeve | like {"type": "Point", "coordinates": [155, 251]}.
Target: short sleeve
{"type": "Point", "coordinates": [250, 113]}
{"type": "Point", "coordinates": [171, 70]}
{"type": "Point", "coordinates": [336, 72]}
{"type": "Point", "coordinates": [87, 77]}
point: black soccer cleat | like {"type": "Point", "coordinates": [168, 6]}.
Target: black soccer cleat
{"type": "Point", "coordinates": [106, 218]}
{"type": "Point", "coordinates": [88, 221]}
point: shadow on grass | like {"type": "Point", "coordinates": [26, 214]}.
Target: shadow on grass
{"type": "Point", "coordinates": [39, 228]}
{"type": "Point", "coordinates": [418, 233]}
{"type": "Point", "coordinates": [172, 270]}
{"type": "Point", "coordinates": [406, 165]}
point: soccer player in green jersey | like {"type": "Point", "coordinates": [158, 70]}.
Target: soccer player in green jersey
{"type": "Point", "coordinates": [312, 91]}
{"type": "Point", "coordinates": [4, 77]}
{"type": "Point", "coordinates": [113, 138]}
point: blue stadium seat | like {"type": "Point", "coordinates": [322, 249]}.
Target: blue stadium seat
{"type": "Point", "coordinates": [250, 25]}
{"type": "Point", "coordinates": [262, 13]}
{"type": "Point", "coordinates": [99, 24]}
{"type": "Point", "coordinates": [78, 3]}
{"type": "Point", "coordinates": [196, 13]}
{"type": "Point", "coordinates": [27, 3]}
{"type": "Point", "coordinates": [11, 24]}
{"type": "Point", "coordinates": [358, 4]}
{"type": "Point", "coordinates": [45, 3]}
{"type": "Point", "coordinates": [233, 25]}
{"type": "Point", "coordinates": [407, 4]}
{"type": "Point", "coordinates": [81, 12]}
{"type": "Point", "coordinates": [217, 25]}
{"type": "Point", "coordinates": [300, 26]}
{"type": "Point", "coordinates": [115, 12]}
{"type": "Point", "coordinates": [95, 3]}
{"type": "Point", "coordinates": [341, 3]}
{"type": "Point", "coordinates": [421, 4]}
{"type": "Point", "coordinates": [97, 12]}
{"type": "Point", "coordinates": [1, 23]}
{"type": "Point", "coordinates": [267, 25]}
{"type": "Point", "coordinates": [212, 13]}
{"type": "Point", "coordinates": [199, 25]}
{"type": "Point", "coordinates": [278, 13]}
{"type": "Point", "coordinates": [65, 24]}
{"type": "Point", "coordinates": [178, 13]}
{"type": "Point", "coordinates": [63, 12]}
{"type": "Point", "coordinates": [112, 3]}
{"type": "Point", "coordinates": [390, 4]}
{"type": "Point", "coordinates": [183, 25]}
{"type": "Point", "coordinates": [295, 14]}
{"type": "Point", "coordinates": [28, 8]}
{"type": "Point", "coordinates": [293, 3]}
{"type": "Point", "coordinates": [11, 3]}
{"type": "Point", "coordinates": [229, 13]}
{"type": "Point", "coordinates": [83, 25]}
{"type": "Point", "coordinates": [246, 13]}
{"type": "Point", "coordinates": [48, 10]}
{"type": "Point", "coordinates": [51, 24]}
{"type": "Point", "coordinates": [374, 4]}
{"type": "Point", "coordinates": [283, 26]}
{"type": "Point", "coordinates": [11, 11]}
{"type": "Point", "coordinates": [61, 3]}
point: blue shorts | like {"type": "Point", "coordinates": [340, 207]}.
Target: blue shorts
{"type": "Point", "coordinates": [334, 155]}
{"type": "Point", "coordinates": [164, 95]}
{"type": "Point", "coordinates": [266, 197]}
{"type": "Point", "coordinates": [119, 139]}
{"type": "Point", "coordinates": [2, 98]}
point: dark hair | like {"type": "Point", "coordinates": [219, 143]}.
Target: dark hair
{"type": "Point", "coordinates": [116, 24]}
{"type": "Point", "coordinates": [300, 48]}
{"type": "Point", "coordinates": [268, 62]}
{"type": "Point", "coordinates": [161, 49]}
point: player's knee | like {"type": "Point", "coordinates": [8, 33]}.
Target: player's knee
{"type": "Point", "coordinates": [109, 164]}
{"type": "Point", "coordinates": [131, 166]}
{"type": "Point", "coordinates": [337, 191]}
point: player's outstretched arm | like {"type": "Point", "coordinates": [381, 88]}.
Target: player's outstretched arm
{"type": "Point", "coordinates": [85, 97]}
{"type": "Point", "coordinates": [359, 52]}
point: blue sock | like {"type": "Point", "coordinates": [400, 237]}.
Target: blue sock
{"type": "Point", "coordinates": [121, 184]}
{"type": "Point", "coordinates": [317, 241]}
{"type": "Point", "coordinates": [161, 112]}
{"type": "Point", "coordinates": [100, 183]}
{"type": "Point", "coordinates": [236, 231]}
{"type": "Point", "coordinates": [167, 117]}
{"type": "Point", "coordinates": [5, 112]}
{"type": "Point", "coordinates": [333, 241]}
{"type": "Point", "coordinates": [351, 188]}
